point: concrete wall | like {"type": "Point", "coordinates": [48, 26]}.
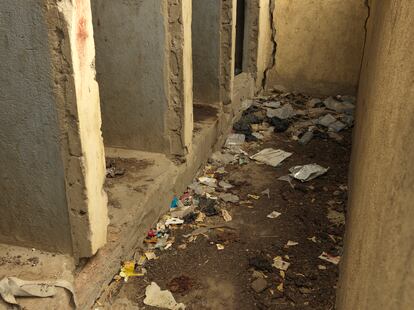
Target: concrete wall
{"type": "Point", "coordinates": [206, 50]}
{"type": "Point", "coordinates": [319, 45]}
{"type": "Point", "coordinates": [51, 150]}
{"type": "Point", "coordinates": [132, 68]}
{"type": "Point", "coordinates": [377, 271]}
{"type": "Point", "coordinates": [33, 208]}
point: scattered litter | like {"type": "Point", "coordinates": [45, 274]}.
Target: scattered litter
{"type": "Point", "coordinates": [128, 270]}
{"type": "Point", "coordinates": [306, 138]}
{"type": "Point", "coordinates": [259, 285]}
{"type": "Point", "coordinates": [208, 206]}
{"type": "Point", "coordinates": [280, 264]}
{"type": "Point", "coordinates": [287, 178]}
{"type": "Point", "coordinates": [174, 203]}
{"type": "Point", "coordinates": [220, 247]}
{"type": "Point", "coordinates": [274, 215]}
{"type": "Point", "coordinates": [224, 185]}
{"type": "Point", "coordinates": [291, 243]}
{"type": "Point", "coordinates": [255, 197]}
{"type": "Point", "coordinates": [150, 255]}
{"type": "Point", "coordinates": [258, 135]}
{"type": "Point", "coordinates": [279, 125]}
{"type": "Point", "coordinates": [280, 287]}
{"type": "Point", "coordinates": [174, 221]}
{"type": "Point", "coordinates": [182, 212]}
{"type": "Point", "coordinates": [212, 182]}
{"type": "Point", "coordinates": [155, 297]}
{"type": "Point", "coordinates": [258, 275]}
{"type": "Point", "coordinates": [330, 258]}
{"type": "Point", "coordinates": [266, 192]}
{"type": "Point", "coordinates": [307, 172]}
{"type": "Point", "coordinates": [313, 239]}
{"type": "Point", "coordinates": [271, 156]}
{"type": "Point", "coordinates": [11, 287]}
{"type": "Point", "coordinates": [228, 197]}
{"type": "Point", "coordinates": [200, 217]}
{"type": "Point", "coordinates": [221, 170]}
{"type": "Point", "coordinates": [322, 267]}
{"type": "Point", "coordinates": [235, 139]}
{"type": "Point", "coordinates": [284, 112]}
{"type": "Point", "coordinates": [226, 215]}
{"type": "Point", "coordinates": [112, 171]}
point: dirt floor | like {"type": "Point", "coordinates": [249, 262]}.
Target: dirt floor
{"type": "Point", "coordinates": [232, 266]}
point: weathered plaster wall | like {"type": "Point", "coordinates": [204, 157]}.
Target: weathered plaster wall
{"type": "Point", "coordinates": [377, 271]}
{"type": "Point", "coordinates": [132, 70]}
{"type": "Point", "coordinates": [51, 149]}
{"type": "Point", "coordinates": [206, 50]}
{"type": "Point", "coordinates": [33, 208]}
{"type": "Point", "coordinates": [319, 45]}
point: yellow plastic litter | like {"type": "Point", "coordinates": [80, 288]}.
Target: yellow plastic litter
{"type": "Point", "coordinates": [128, 270]}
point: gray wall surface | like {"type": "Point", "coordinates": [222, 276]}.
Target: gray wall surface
{"type": "Point", "coordinates": [131, 72]}
{"type": "Point", "coordinates": [206, 50]}
{"type": "Point", "coordinates": [32, 192]}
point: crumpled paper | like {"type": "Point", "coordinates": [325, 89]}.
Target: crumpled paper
{"type": "Point", "coordinates": [11, 287]}
{"type": "Point", "coordinates": [162, 299]}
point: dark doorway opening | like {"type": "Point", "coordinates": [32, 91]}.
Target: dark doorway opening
{"type": "Point", "coordinates": [240, 22]}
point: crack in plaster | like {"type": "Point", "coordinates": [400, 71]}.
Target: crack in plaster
{"type": "Point", "coordinates": [272, 61]}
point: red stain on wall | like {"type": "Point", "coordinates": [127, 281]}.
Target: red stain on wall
{"type": "Point", "coordinates": [81, 30]}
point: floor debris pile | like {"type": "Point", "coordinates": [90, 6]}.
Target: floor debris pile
{"type": "Point", "coordinates": [261, 226]}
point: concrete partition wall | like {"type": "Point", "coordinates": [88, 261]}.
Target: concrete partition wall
{"type": "Point", "coordinates": [51, 153]}
{"type": "Point", "coordinates": [206, 50]}
{"type": "Point", "coordinates": [134, 66]}
{"type": "Point", "coordinates": [377, 270]}
{"type": "Point", "coordinates": [317, 45]}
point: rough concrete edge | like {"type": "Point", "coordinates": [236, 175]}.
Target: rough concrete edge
{"type": "Point", "coordinates": [227, 34]}
{"type": "Point", "coordinates": [178, 113]}
{"type": "Point", "coordinates": [272, 60]}
{"type": "Point", "coordinates": [64, 85]}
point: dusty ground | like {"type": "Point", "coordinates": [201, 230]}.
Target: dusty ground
{"type": "Point", "coordinates": [203, 277]}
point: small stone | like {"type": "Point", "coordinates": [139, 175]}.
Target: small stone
{"type": "Point", "coordinates": [259, 285]}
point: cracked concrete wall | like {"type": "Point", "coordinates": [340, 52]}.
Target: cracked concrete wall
{"type": "Point", "coordinates": [318, 45]}
{"type": "Point", "coordinates": [50, 142]}
{"type": "Point", "coordinates": [377, 270]}
{"type": "Point", "coordinates": [206, 50]}
{"type": "Point", "coordinates": [132, 70]}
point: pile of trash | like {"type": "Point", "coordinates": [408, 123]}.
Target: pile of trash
{"type": "Point", "coordinates": [302, 117]}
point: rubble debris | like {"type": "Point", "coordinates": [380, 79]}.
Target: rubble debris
{"type": "Point", "coordinates": [155, 297]}
{"type": "Point", "coordinates": [226, 215]}
{"type": "Point", "coordinates": [336, 126]}
{"type": "Point", "coordinates": [235, 140]}
{"type": "Point", "coordinates": [280, 264]}
{"type": "Point", "coordinates": [259, 285]}
{"type": "Point", "coordinates": [211, 182]}
{"type": "Point", "coordinates": [338, 106]}
{"type": "Point", "coordinates": [307, 172]}
{"type": "Point", "coordinates": [113, 171]}
{"type": "Point", "coordinates": [11, 287]}
{"type": "Point", "coordinates": [228, 197]}
{"type": "Point", "coordinates": [225, 185]}
{"type": "Point", "coordinates": [330, 258]}
{"type": "Point", "coordinates": [272, 104]}
{"type": "Point", "coordinates": [326, 120]}
{"type": "Point", "coordinates": [274, 215]}
{"type": "Point", "coordinates": [284, 112]}
{"type": "Point", "coordinates": [271, 156]}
